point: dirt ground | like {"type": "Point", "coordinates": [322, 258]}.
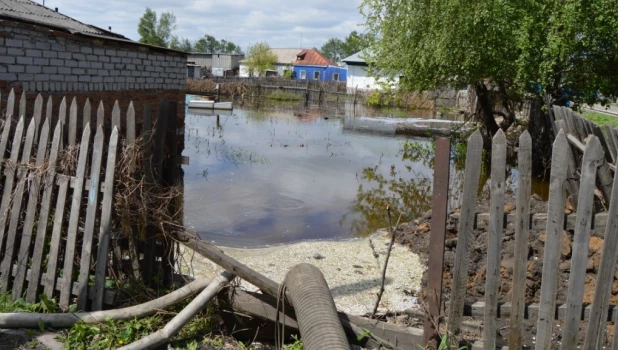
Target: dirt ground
{"type": "Point", "coordinates": [416, 236]}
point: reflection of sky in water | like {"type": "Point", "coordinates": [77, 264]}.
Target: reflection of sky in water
{"type": "Point", "coordinates": [268, 177]}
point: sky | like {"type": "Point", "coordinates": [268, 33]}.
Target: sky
{"type": "Point", "coordinates": [280, 23]}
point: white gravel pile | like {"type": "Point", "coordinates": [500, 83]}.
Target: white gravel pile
{"type": "Point", "coordinates": [350, 267]}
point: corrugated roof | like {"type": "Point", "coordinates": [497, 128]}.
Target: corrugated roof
{"type": "Point", "coordinates": [30, 11]}
{"type": "Point", "coordinates": [311, 57]}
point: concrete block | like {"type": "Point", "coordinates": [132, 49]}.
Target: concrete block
{"type": "Point", "coordinates": [50, 54]}
{"type": "Point", "coordinates": [78, 71]}
{"type": "Point", "coordinates": [14, 68]}
{"type": "Point", "coordinates": [92, 71]}
{"type": "Point", "coordinates": [41, 77]}
{"type": "Point", "coordinates": [122, 54]}
{"type": "Point", "coordinates": [103, 72]}
{"type": "Point", "coordinates": [137, 61]}
{"type": "Point", "coordinates": [84, 79]}
{"type": "Point", "coordinates": [34, 53]}
{"type": "Point", "coordinates": [169, 58]}
{"type": "Point", "coordinates": [140, 80]}
{"type": "Point", "coordinates": [108, 79]}
{"type": "Point", "coordinates": [2, 50]}
{"type": "Point", "coordinates": [8, 76]}
{"type": "Point", "coordinates": [120, 79]}
{"type": "Point", "coordinates": [70, 63]}
{"type": "Point", "coordinates": [92, 58]}
{"type": "Point", "coordinates": [58, 47]}
{"type": "Point", "coordinates": [125, 73]}
{"type": "Point", "coordinates": [127, 60]}
{"type": "Point", "coordinates": [98, 52]}
{"type": "Point", "coordinates": [97, 79]}
{"type": "Point", "coordinates": [83, 64]}
{"type": "Point", "coordinates": [64, 70]}
{"type": "Point", "coordinates": [70, 78]}
{"type": "Point", "coordinates": [160, 58]}
{"type": "Point", "coordinates": [119, 66]}
{"type": "Point", "coordinates": [145, 74]}
{"type": "Point", "coordinates": [115, 59]}
{"type": "Point", "coordinates": [33, 69]}
{"type": "Point", "coordinates": [108, 65]}
{"type": "Point", "coordinates": [64, 87]}
{"type": "Point", "coordinates": [26, 77]}
{"type": "Point", "coordinates": [79, 56]}
{"type": "Point", "coordinates": [3, 69]}
{"type": "Point", "coordinates": [142, 55]}
{"type": "Point", "coordinates": [97, 65]}
{"type": "Point", "coordinates": [12, 51]}
{"type": "Point", "coordinates": [130, 80]}
{"type": "Point", "coordinates": [65, 55]}
{"type": "Point", "coordinates": [56, 77]}
{"type": "Point", "coordinates": [41, 61]}
{"type": "Point", "coordinates": [13, 43]}
{"type": "Point", "coordinates": [104, 59]}
{"type": "Point", "coordinates": [132, 54]}
{"type": "Point", "coordinates": [86, 50]}
{"type": "Point", "coordinates": [73, 48]}
{"type": "Point", "coordinates": [50, 70]}
{"type": "Point", "coordinates": [131, 67]}
{"type": "Point", "coordinates": [110, 52]}
{"type": "Point", "coordinates": [136, 73]}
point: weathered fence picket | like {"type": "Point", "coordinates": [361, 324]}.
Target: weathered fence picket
{"type": "Point", "coordinates": [22, 105]}
{"type": "Point", "coordinates": [462, 255]}
{"type": "Point", "coordinates": [522, 226]}
{"type": "Point", "coordinates": [73, 123]}
{"type": "Point", "coordinates": [494, 245]}
{"type": "Point", "coordinates": [593, 156]}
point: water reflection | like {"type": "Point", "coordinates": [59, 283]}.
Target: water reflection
{"type": "Point", "coordinates": [278, 175]}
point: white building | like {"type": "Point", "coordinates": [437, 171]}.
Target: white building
{"type": "Point", "coordinates": [285, 61]}
{"type": "Point", "coordinates": [358, 77]}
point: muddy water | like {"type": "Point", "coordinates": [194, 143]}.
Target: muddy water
{"type": "Point", "coordinates": [280, 175]}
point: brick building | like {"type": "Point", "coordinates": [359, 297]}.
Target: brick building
{"type": "Point", "coordinates": [43, 51]}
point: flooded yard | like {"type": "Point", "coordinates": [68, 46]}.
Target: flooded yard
{"type": "Point", "coordinates": [269, 176]}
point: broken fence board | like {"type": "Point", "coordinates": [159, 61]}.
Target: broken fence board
{"type": "Point", "coordinates": [87, 114]}
{"type": "Point", "coordinates": [31, 210]}
{"type": "Point", "coordinates": [91, 212]}
{"type": "Point", "coordinates": [49, 188]}
{"type": "Point", "coordinates": [22, 105]}
{"type": "Point", "coordinates": [130, 135]}
{"type": "Point", "coordinates": [100, 115]}
{"type": "Point", "coordinates": [73, 122]}
{"type": "Point", "coordinates": [106, 221]}
{"type": "Point", "coordinates": [56, 238]}
{"type": "Point", "coordinates": [71, 241]}
{"type": "Point", "coordinates": [37, 114]}
{"type": "Point", "coordinates": [10, 105]}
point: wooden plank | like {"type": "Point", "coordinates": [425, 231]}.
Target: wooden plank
{"type": "Point", "coordinates": [576, 143]}
{"type": "Point", "coordinates": [65, 293]}
{"type": "Point", "coordinates": [466, 222]}
{"type": "Point", "coordinates": [435, 265]}
{"type": "Point", "coordinates": [605, 277]}
{"type": "Point", "coordinates": [612, 142]}
{"type": "Point", "coordinates": [91, 211]}
{"type": "Point", "coordinates": [505, 311]}
{"type": "Point", "coordinates": [539, 221]}
{"type": "Point", "coordinates": [31, 209]}
{"type": "Point", "coordinates": [22, 105]}
{"type": "Point", "coordinates": [87, 114]}
{"type": "Point", "coordinates": [130, 136]}
{"type": "Point", "coordinates": [9, 177]}
{"type": "Point", "coordinates": [56, 238]}
{"type": "Point", "coordinates": [572, 185]}
{"type": "Point", "coordinates": [522, 226]}
{"type": "Point", "coordinates": [100, 115]}
{"type": "Point", "coordinates": [41, 234]}
{"type": "Point", "coordinates": [116, 115]}
{"type": "Point", "coordinates": [12, 240]}
{"type": "Point", "coordinates": [6, 129]}
{"type": "Point", "coordinates": [62, 112]}
{"type": "Point", "coordinates": [552, 245]}
{"type": "Point", "coordinates": [596, 130]}
{"type": "Point", "coordinates": [38, 114]}
{"type": "Point", "coordinates": [494, 245]}
{"type": "Point", "coordinates": [593, 156]}
{"type": "Point", "coordinates": [149, 181]}
{"type": "Point", "coordinates": [48, 109]}
{"type": "Point", "coordinates": [10, 105]}
{"type": "Point", "coordinates": [106, 222]}
{"type": "Point", "coordinates": [73, 122]}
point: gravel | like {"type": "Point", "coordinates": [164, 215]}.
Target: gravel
{"type": "Point", "coordinates": [352, 268]}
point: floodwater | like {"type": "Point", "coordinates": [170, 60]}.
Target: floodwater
{"type": "Point", "coordinates": [278, 175]}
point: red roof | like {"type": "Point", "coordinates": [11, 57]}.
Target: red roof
{"type": "Point", "coordinates": [310, 57]}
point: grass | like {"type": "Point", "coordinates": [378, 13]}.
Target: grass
{"type": "Point", "coordinates": [284, 96]}
{"type": "Point", "coordinates": [601, 118]}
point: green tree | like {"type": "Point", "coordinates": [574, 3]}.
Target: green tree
{"type": "Point", "coordinates": [260, 58]}
{"type": "Point", "coordinates": [181, 44]}
{"type": "Point", "coordinates": [506, 50]}
{"type": "Point", "coordinates": [209, 44]}
{"type": "Point", "coordinates": [333, 49]}
{"type": "Point", "coordinates": [156, 32]}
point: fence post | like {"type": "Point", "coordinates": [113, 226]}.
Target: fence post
{"type": "Point", "coordinates": [439, 209]}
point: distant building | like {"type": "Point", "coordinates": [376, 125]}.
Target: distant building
{"type": "Point", "coordinates": [312, 65]}
{"type": "Point", "coordinates": [357, 74]}
{"type": "Point", "coordinates": [285, 61]}
{"type": "Point", "coordinates": [215, 64]}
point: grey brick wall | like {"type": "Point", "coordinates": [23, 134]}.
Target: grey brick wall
{"type": "Point", "coordinates": [41, 63]}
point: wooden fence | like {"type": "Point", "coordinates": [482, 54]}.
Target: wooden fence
{"type": "Point", "coordinates": [58, 201]}
{"type": "Point", "coordinates": [547, 311]}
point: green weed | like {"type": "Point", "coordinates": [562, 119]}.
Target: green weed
{"type": "Point", "coordinates": [296, 345]}
{"type": "Point", "coordinates": [601, 118]}
{"type": "Point", "coordinates": [284, 96]}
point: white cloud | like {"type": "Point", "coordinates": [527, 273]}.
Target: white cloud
{"type": "Point", "coordinates": [281, 23]}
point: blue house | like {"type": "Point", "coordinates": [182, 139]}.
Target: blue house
{"type": "Point", "coordinates": [311, 65]}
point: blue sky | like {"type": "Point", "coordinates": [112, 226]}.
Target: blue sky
{"type": "Point", "coordinates": [280, 23]}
